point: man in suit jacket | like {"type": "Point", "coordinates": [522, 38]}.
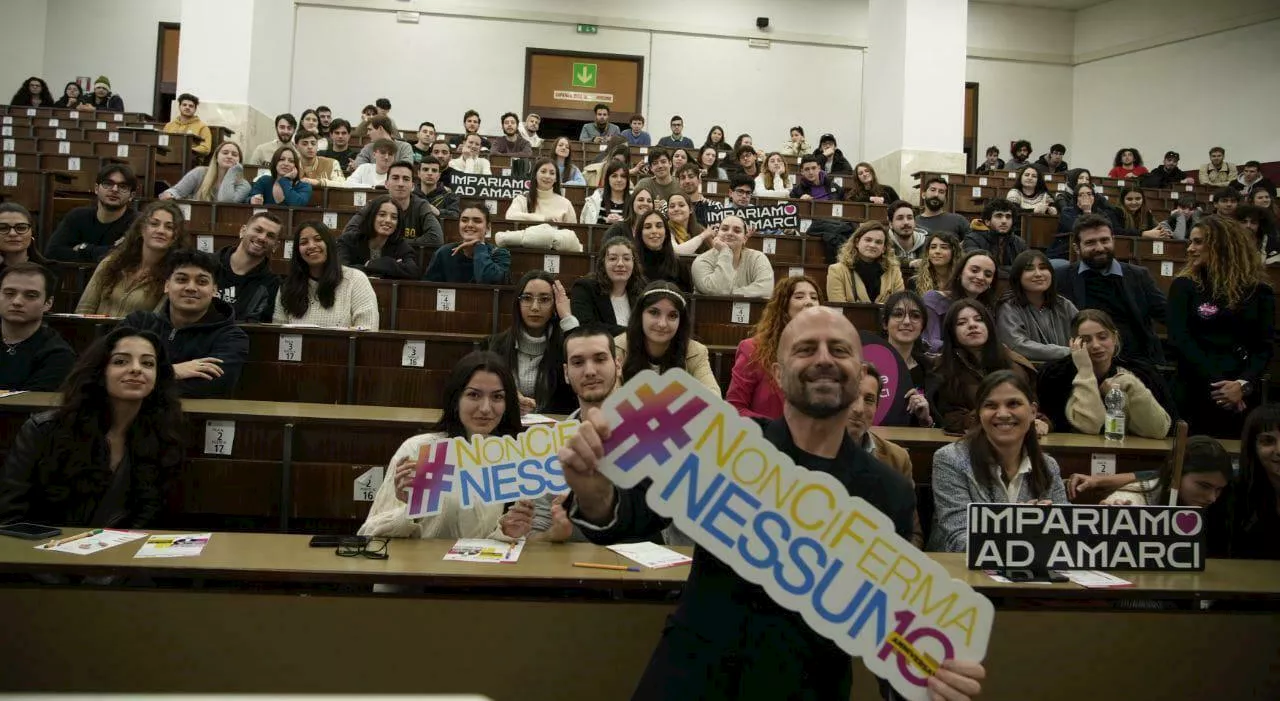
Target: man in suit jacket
{"type": "Point", "coordinates": [1124, 291]}
{"type": "Point", "coordinates": [727, 639]}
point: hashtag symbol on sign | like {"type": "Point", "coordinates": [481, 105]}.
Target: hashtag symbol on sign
{"type": "Point", "coordinates": [433, 477]}
{"type": "Point", "coordinates": [653, 424]}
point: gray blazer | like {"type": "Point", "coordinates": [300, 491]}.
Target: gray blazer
{"type": "Point", "coordinates": [954, 488]}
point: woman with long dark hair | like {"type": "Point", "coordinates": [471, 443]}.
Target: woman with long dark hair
{"type": "Point", "coordinates": [71, 94]}
{"type": "Point", "coordinates": [753, 391]}
{"type": "Point", "coordinates": [377, 247]}
{"type": "Point", "coordinates": [1035, 320]}
{"type": "Point", "coordinates": [1134, 218]}
{"type": "Point", "coordinates": [319, 290]}
{"type": "Point", "coordinates": [533, 347]}
{"type": "Point", "coordinates": [971, 351]}
{"type": "Point", "coordinates": [283, 185]}
{"type": "Point", "coordinates": [973, 277]}
{"type": "Point", "coordinates": [659, 334]}
{"type": "Point", "coordinates": [1255, 513]}
{"type": "Point", "coordinates": [902, 323]}
{"type": "Point", "coordinates": [543, 202]}
{"type": "Point", "coordinates": [639, 203]}
{"type": "Point", "coordinates": [33, 93]}
{"type": "Point", "coordinates": [104, 457]}
{"type": "Point", "coordinates": [479, 400]}
{"type": "Point", "coordinates": [1031, 194]}
{"type": "Point", "coordinates": [867, 187]}
{"type": "Point", "coordinates": [131, 278]}
{"type": "Point", "coordinates": [608, 295]}
{"type": "Point", "coordinates": [1221, 319]}
{"type": "Point", "coordinates": [658, 259]}
{"type": "Point", "coordinates": [715, 139]}
{"type": "Point", "coordinates": [709, 162]}
{"type": "Point", "coordinates": [999, 461]}
{"type": "Point", "coordinates": [18, 237]}
{"type": "Point", "coordinates": [562, 158]}
{"type": "Point", "coordinates": [608, 204]}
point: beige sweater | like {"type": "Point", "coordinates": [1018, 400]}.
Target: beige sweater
{"type": "Point", "coordinates": [697, 362]}
{"type": "Point", "coordinates": [1087, 413]}
{"type": "Point", "coordinates": [389, 514]}
{"type": "Point", "coordinates": [125, 297]}
{"type": "Point", "coordinates": [355, 305]}
{"type": "Point", "coordinates": [714, 274]}
{"type": "Point", "coordinates": [551, 208]}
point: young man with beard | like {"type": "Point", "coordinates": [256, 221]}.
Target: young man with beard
{"type": "Point", "coordinates": [88, 234]}
{"type": "Point", "coordinates": [511, 143]}
{"type": "Point", "coordinates": [1021, 154]}
{"type": "Point", "coordinates": [199, 331]}
{"type": "Point", "coordinates": [862, 419]}
{"type": "Point", "coordinates": [1123, 290]}
{"type": "Point", "coordinates": [244, 276]}
{"type": "Point", "coordinates": [529, 129]}
{"type": "Point", "coordinates": [339, 146]}
{"type": "Point", "coordinates": [324, 115]}
{"type": "Point", "coordinates": [417, 222]}
{"type": "Point", "coordinates": [470, 125]}
{"type": "Point", "coordinates": [443, 201]}
{"type": "Point", "coordinates": [286, 124]}
{"type": "Point", "coordinates": [600, 130]}
{"type": "Point", "coordinates": [908, 242]}
{"type": "Point", "coordinates": [469, 160]}
{"type": "Point", "coordinates": [1168, 174]}
{"type": "Point", "coordinates": [1217, 171]}
{"type": "Point", "coordinates": [932, 219]}
{"type": "Point", "coordinates": [442, 154]}
{"type": "Point", "coordinates": [727, 638]}
{"type": "Point", "coordinates": [592, 369]}
{"type": "Point", "coordinates": [993, 234]}
{"type": "Point", "coordinates": [35, 357]}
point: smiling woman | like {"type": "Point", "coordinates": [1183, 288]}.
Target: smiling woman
{"type": "Point", "coordinates": [1036, 320]}
{"type": "Point", "coordinates": [534, 344]}
{"type": "Point", "coordinates": [321, 291]}
{"type": "Point", "coordinates": [971, 350]}
{"type": "Point", "coordinates": [132, 277]}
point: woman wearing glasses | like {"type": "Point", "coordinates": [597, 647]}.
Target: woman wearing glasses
{"type": "Point", "coordinates": [533, 346]}
{"type": "Point", "coordinates": [17, 237]}
{"type": "Point", "coordinates": [479, 400]}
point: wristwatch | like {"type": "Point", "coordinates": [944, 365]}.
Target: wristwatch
{"type": "Point", "coordinates": [1244, 387]}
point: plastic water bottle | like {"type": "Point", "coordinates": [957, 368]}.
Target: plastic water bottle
{"type": "Point", "coordinates": [1114, 425]}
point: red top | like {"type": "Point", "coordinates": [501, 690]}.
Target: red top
{"type": "Point", "coordinates": [1120, 172]}
{"type": "Point", "coordinates": [752, 390]}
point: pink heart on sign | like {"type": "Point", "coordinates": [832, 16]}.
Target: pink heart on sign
{"type": "Point", "coordinates": [789, 209]}
{"type": "Point", "coordinates": [1187, 522]}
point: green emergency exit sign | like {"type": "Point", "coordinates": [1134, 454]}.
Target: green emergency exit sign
{"type": "Point", "coordinates": [587, 29]}
{"type": "Point", "coordinates": [584, 75]}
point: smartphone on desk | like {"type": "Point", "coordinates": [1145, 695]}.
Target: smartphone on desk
{"type": "Point", "coordinates": [30, 531]}
{"type": "Point", "coordinates": [333, 541]}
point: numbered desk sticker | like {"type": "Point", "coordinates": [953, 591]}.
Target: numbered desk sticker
{"type": "Point", "coordinates": [186, 210]}
{"type": "Point", "coordinates": [1102, 464]}
{"type": "Point", "coordinates": [795, 272]}
{"type": "Point", "coordinates": [741, 313]}
{"type": "Point", "coordinates": [358, 199]}
{"type": "Point", "coordinates": [162, 140]}
{"type": "Point", "coordinates": [977, 192]}
{"type": "Point", "coordinates": [551, 263]}
{"type": "Point", "coordinates": [366, 484]}
{"type": "Point", "coordinates": [10, 179]}
{"type": "Point", "coordinates": [113, 137]}
{"type": "Point", "coordinates": [219, 437]}
{"type": "Point", "coordinates": [290, 347]}
{"type": "Point", "coordinates": [10, 160]}
{"type": "Point", "coordinates": [331, 219]}
{"type": "Point", "coordinates": [446, 300]}
{"type": "Point", "coordinates": [1166, 268]}
{"type": "Point", "coordinates": [73, 163]}
{"type": "Point", "coordinates": [64, 148]}
{"type": "Point", "coordinates": [204, 242]}
{"type": "Point", "coordinates": [412, 354]}
{"type": "Point", "coordinates": [769, 244]}
{"type": "Point", "coordinates": [122, 151]}
{"type": "Point", "coordinates": [837, 210]}
{"type": "Point", "coordinates": [60, 134]}
{"type": "Point", "coordinates": [1157, 248]}
{"type": "Point", "coordinates": [288, 250]}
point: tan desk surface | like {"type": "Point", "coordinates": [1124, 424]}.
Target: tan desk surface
{"type": "Point", "coordinates": [34, 401]}
{"type": "Point", "coordinates": [280, 557]}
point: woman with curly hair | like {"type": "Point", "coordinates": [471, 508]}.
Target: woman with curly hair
{"type": "Point", "coordinates": [1221, 319]}
{"type": "Point", "coordinates": [1127, 164]}
{"type": "Point", "coordinates": [866, 269]}
{"type": "Point", "coordinates": [753, 391]}
{"type": "Point", "coordinates": [33, 93]}
{"type": "Point", "coordinates": [103, 458]}
{"type": "Point", "coordinates": [131, 278]}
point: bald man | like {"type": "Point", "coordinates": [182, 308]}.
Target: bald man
{"type": "Point", "coordinates": [727, 639]}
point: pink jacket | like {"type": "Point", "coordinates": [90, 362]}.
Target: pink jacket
{"type": "Point", "coordinates": [751, 390]}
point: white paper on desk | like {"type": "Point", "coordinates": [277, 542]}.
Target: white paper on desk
{"type": "Point", "coordinates": [1093, 579]}
{"type": "Point", "coordinates": [95, 543]}
{"type": "Point", "coordinates": [484, 550]}
{"type": "Point", "coordinates": [181, 545]}
{"type": "Point", "coordinates": [651, 555]}
{"type": "Point", "coordinates": [11, 392]}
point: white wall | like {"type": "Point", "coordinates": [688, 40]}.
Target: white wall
{"type": "Point", "coordinates": [1029, 101]}
{"type": "Point", "coordinates": [707, 79]}
{"type": "Point", "coordinates": [22, 51]}
{"type": "Point", "coordinates": [1023, 34]}
{"type": "Point", "coordinates": [205, 68]}
{"type": "Point", "coordinates": [1120, 26]}
{"type": "Point", "coordinates": [1217, 90]}
{"type": "Point", "coordinates": [88, 39]}
{"type": "Point", "coordinates": [273, 25]}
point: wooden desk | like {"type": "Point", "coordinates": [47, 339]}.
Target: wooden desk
{"type": "Point", "coordinates": [280, 611]}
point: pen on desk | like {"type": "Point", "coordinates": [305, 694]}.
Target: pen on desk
{"type": "Point", "coordinates": [600, 566]}
{"type": "Point", "coordinates": [64, 541]}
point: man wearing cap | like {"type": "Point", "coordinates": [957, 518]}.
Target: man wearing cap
{"type": "Point", "coordinates": [1168, 174]}
{"type": "Point", "coordinates": [102, 98]}
{"type": "Point", "coordinates": [831, 158]}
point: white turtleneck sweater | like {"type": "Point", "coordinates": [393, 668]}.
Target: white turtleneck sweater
{"type": "Point", "coordinates": [551, 208]}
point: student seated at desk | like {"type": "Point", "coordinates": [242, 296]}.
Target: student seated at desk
{"type": "Point", "coordinates": [543, 202]}
{"type": "Point", "coordinates": [18, 237]}
{"type": "Point", "coordinates": [534, 345]}
{"type": "Point", "coordinates": [773, 180]}
{"type": "Point", "coordinates": [473, 260]}
{"type": "Point", "coordinates": [479, 400]}
{"type": "Point", "coordinates": [282, 184]}
{"type": "Point", "coordinates": [1073, 389]}
{"type": "Point", "coordinates": [1255, 524]}
{"type": "Point", "coordinates": [994, 233]}
{"type": "Point", "coordinates": [973, 277]}
{"type": "Point", "coordinates": [861, 419]}
{"type": "Point", "coordinates": [607, 295]}
{"type": "Point", "coordinates": [902, 324]}
{"type": "Point", "coordinates": [999, 461]}
{"type": "Point", "coordinates": [753, 391]}
{"type": "Point", "coordinates": [132, 277]}
{"type": "Point", "coordinates": [608, 204]}
{"type": "Point", "coordinates": [658, 258]}
{"type": "Point", "coordinates": [689, 236]}
{"type": "Point", "coordinates": [103, 458]}
{"type": "Point", "coordinates": [222, 181]}
{"type": "Point", "coordinates": [971, 350]}
{"type": "Point", "coordinates": [658, 337]}
{"type": "Point", "coordinates": [469, 160]}
{"type": "Point", "coordinates": [88, 234]}
{"type": "Point", "coordinates": [320, 291]}
{"type": "Point", "coordinates": [376, 247]}
{"type": "Point", "coordinates": [36, 358]}
{"type": "Point", "coordinates": [198, 330]}
{"type": "Point", "coordinates": [1035, 320]}
{"type": "Point", "coordinates": [639, 203]}
{"type": "Point", "coordinates": [867, 187]}
{"type": "Point", "coordinates": [1135, 218]}
{"type": "Point", "coordinates": [245, 280]}
{"type": "Point", "coordinates": [1127, 164]}
{"type": "Point", "coordinates": [566, 171]}
{"type": "Point", "coordinates": [941, 253]}
{"type": "Point", "coordinates": [866, 269]}
{"type": "Point", "coordinates": [730, 268]}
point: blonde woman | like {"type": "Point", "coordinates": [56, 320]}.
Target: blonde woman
{"type": "Point", "coordinates": [866, 270]}
{"type": "Point", "coordinates": [221, 181]}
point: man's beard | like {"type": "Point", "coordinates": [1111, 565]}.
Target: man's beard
{"type": "Point", "coordinates": [933, 202]}
{"type": "Point", "coordinates": [1102, 261]}
{"type": "Point", "coordinates": [818, 407]}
